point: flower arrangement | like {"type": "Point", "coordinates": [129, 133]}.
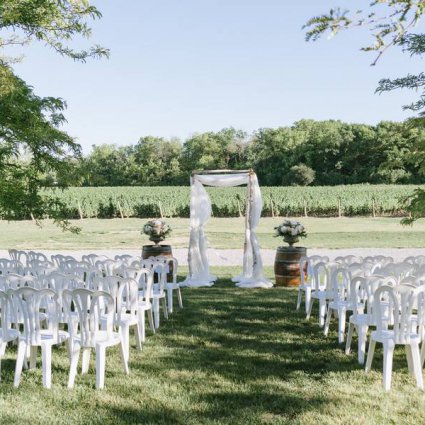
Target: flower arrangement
{"type": "Point", "coordinates": [291, 231]}
{"type": "Point", "coordinates": [157, 230]}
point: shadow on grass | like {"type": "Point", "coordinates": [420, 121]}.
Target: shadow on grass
{"type": "Point", "coordinates": [230, 356]}
{"type": "Point", "coordinates": [251, 339]}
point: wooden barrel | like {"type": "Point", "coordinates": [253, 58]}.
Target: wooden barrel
{"type": "Point", "coordinates": [155, 251]}
{"type": "Point", "coordinates": [287, 265]}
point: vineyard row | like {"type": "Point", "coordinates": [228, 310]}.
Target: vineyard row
{"type": "Point", "coordinates": [143, 202]}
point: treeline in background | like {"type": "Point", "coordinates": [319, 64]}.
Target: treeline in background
{"type": "Point", "coordinates": [317, 153]}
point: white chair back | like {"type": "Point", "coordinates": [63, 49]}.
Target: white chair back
{"type": "Point", "coordinates": [6, 311]}
{"type": "Point", "coordinates": [402, 300]}
{"type": "Point", "coordinates": [92, 258]}
{"type": "Point", "coordinates": [10, 266]}
{"type": "Point", "coordinates": [58, 259]}
{"type": "Point", "coordinates": [340, 283]}
{"type": "Point", "coordinates": [19, 256]}
{"type": "Point", "coordinates": [15, 281]}
{"type": "Point", "coordinates": [124, 292]}
{"type": "Point", "coordinates": [322, 280]}
{"type": "Point", "coordinates": [107, 267]}
{"type": "Point", "coordinates": [348, 259]}
{"type": "Point", "coordinates": [124, 259]}
{"type": "Point", "coordinates": [38, 256]}
{"type": "Point", "coordinates": [95, 314]}
{"type": "Point", "coordinates": [34, 306]}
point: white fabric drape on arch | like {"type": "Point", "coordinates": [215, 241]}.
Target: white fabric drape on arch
{"type": "Point", "coordinates": [200, 211]}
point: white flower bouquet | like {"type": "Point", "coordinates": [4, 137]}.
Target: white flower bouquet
{"type": "Point", "coordinates": [291, 231]}
{"type": "Point", "coordinates": [157, 230]}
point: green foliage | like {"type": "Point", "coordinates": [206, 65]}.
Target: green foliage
{"type": "Point", "coordinates": [30, 124]}
{"type": "Point", "coordinates": [332, 153]}
{"type": "Point", "coordinates": [54, 23]}
{"type": "Point", "coordinates": [390, 23]}
{"type": "Point", "coordinates": [157, 161]}
{"type": "Point", "coordinates": [301, 175]}
{"type": "Point", "coordinates": [221, 150]}
{"type": "Point", "coordinates": [338, 153]}
{"type": "Point", "coordinates": [146, 202]}
{"type": "Point", "coordinates": [415, 205]}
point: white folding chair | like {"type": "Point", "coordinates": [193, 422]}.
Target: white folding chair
{"type": "Point", "coordinates": [95, 331]}
{"type": "Point", "coordinates": [407, 328]}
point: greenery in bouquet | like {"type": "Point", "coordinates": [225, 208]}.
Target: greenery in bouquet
{"type": "Point", "coordinates": [291, 231]}
{"type": "Point", "coordinates": [157, 230]}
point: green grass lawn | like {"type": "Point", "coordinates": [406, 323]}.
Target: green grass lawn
{"type": "Point", "coordinates": [231, 356]}
{"type": "Point", "coordinates": [222, 233]}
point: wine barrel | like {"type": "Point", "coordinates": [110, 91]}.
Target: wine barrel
{"type": "Point", "coordinates": [287, 265]}
{"type": "Point", "coordinates": [159, 250]}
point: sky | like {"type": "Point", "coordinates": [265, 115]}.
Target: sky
{"type": "Point", "coordinates": [179, 67]}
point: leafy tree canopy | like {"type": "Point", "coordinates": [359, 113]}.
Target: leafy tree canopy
{"type": "Point", "coordinates": [391, 23]}
{"type": "Point", "coordinates": [30, 124]}
{"type": "Point", "coordinates": [53, 22]}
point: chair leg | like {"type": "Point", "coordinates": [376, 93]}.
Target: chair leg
{"type": "Point", "coordinates": [46, 359]}
{"type": "Point", "coordinates": [307, 297]}
{"type": "Point", "coordinates": [123, 359]}
{"type": "Point", "coordinates": [309, 309]}
{"type": "Point", "coordinates": [362, 332]}
{"type": "Point", "coordinates": [141, 329]}
{"type": "Point", "coordinates": [299, 298]}
{"type": "Point", "coordinates": [179, 297]}
{"type": "Point", "coordinates": [69, 348]}
{"type": "Point", "coordinates": [327, 321]}
{"type": "Point", "coordinates": [2, 351]}
{"type": "Point", "coordinates": [164, 307]}
{"type": "Point", "coordinates": [85, 361]}
{"type": "Point", "coordinates": [3, 348]}
{"type": "Point", "coordinates": [155, 308]}
{"type": "Point", "coordinates": [138, 335]}
{"type": "Point", "coordinates": [33, 356]}
{"type": "Point", "coordinates": [74, 363]}
{"type": "Point", "coordinates": [322, 312]}
{"type": "Point", "coordinates": [125, 335]}
{"type": "Point", "coordinates": [417, 368]}
{"type": "Point", "coordinates": [151, 321]}
{"type": "Point", "coordinates": [100, 365]}
{"type": "Point", "coordinates": [342, 313]}
{"type": "Point", "coordinates": [349, 338]}
{"type": "Point", "coordinates": [22, 348]}
{"type": "Point", "coordinates": [370, 354]}
{"type": "Point", "coordinates": [170, 300]}
{"type": "Point", "coordinates": [388, 364]}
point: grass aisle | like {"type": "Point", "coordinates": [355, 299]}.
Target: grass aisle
{"type": "Point", "coordinates": [231, 356]}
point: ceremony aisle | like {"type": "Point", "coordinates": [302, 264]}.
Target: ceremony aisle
{"type": "Point", "coordinates": [230, 355]}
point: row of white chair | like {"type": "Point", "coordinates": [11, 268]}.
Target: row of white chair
{"type": "Point", "coordinates": [35, 263]}
{"type": "Point", "coordinates": [378, 293]}
{"type": "Point", "coordinates": [127, 281]}
{"type": "Point", "coordinates": [36, 315]}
